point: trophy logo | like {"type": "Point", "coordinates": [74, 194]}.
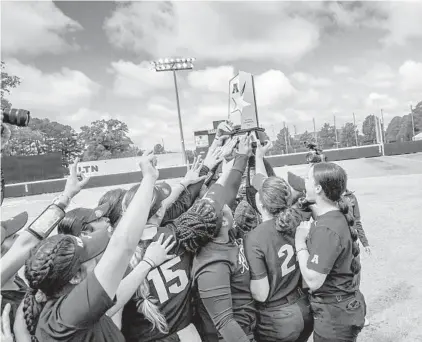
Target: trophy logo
{"type": "Point", "coordinates": [242, 107]}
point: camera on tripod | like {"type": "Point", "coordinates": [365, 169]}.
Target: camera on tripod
{"type": "Point", "coordinates": [16, 117]}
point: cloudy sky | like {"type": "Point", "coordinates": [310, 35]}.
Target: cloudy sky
{"type": "Point", "coordinates": [83, 61]}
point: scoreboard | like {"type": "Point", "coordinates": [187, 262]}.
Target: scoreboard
{"type": "Point", "coordinates": [204, 139]}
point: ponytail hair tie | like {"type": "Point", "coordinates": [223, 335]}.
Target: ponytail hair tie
{"type": "Point", "coordinates": [40, 297]}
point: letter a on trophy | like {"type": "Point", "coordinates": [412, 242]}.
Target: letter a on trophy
{"type": "Point", "coordinates": [242, 107]}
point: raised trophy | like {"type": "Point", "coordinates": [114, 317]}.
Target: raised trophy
{"type": "Point", "coordinates": [243, 111]}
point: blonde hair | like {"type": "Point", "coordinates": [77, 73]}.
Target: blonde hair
{"type": "Point", "coordinates": [145, 303]}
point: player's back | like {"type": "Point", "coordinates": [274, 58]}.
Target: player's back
{"type": "Point", "coordinates": [278, 251]}
{"type": "Point", "coordinates": [170, 285]}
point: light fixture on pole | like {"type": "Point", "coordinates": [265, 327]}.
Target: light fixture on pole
{"type": "Point", "coordinates": [176, 64]}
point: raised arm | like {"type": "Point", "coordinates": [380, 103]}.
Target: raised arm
{"type": "Point", "coordinates": [112, 266]}
{"type": "Point", "coordinates": [41, 227]}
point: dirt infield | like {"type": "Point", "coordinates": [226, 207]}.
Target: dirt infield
{"type": "Point", "coordinates": [389, 192]}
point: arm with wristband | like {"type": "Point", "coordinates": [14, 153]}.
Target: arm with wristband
{"type": "Point", "coordinates": [42, 226]}
{"type": "Point", "coordinates": [155, 255]}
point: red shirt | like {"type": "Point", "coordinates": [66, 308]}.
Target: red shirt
{"type": "Point", "coordinates": [79, 316]}
{"type": "Point", "coordinates": [273, 255]}
{"type": "Point", "coordinates": [330, 252]}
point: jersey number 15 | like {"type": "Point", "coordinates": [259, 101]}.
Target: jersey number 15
{"type": "Point", "coordinates": [169, 275]}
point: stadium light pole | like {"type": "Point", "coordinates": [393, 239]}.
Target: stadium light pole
{"type": "Point", "coordinates": [176, 64]}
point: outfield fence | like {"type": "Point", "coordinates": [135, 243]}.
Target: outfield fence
{"type": "Point", "coordinates": [114, 177]}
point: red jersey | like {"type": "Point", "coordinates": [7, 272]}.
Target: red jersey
{"type": "Point", "coordinates": [273, 255]}
{"type": "Point", "coordinates": [170, 285]}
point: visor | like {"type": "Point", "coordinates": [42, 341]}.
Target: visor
{"type": "Point", "coordinates": [92, 245]}
{"type": "Point", "coordinates": [296, 182]}
{"type": "Point", "coordinates": [13, 225]}
{"type": "Point", "coordinates": [91, 215]}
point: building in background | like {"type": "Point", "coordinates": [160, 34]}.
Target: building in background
{"type": "Point", "coordinates": [204, 139]}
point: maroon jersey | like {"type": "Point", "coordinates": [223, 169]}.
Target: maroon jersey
{"type": "Point", "coordinates": [223, 284]}
{"type": "Point", "coordinates": [273, 255]}
{"type": "Point", "coordinates": [330, 252]}
{"type": "Point", "coordinates": [170, 285]}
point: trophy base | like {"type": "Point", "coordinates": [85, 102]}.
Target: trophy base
{"type": "Point", "coordinates": [259, 133]}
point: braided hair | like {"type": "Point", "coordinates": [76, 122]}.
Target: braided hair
{"type": "Point", "coordinates": [198, 226]}
{"type": "Point", "coordinates": [333, 181]}
{"type": "Point", "coordinates": [49, 269]}
{"type": "Point", "coordinates": [276, 198]}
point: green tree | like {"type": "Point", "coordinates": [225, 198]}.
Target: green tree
{"type": "Point", "coordinates": [59, 138]}
{"type": "Point", "coordinates": [327, 136]}
{"type": "Point", "coordinates": [105, 139]}
{"type": "Point", "coordinates": [368, 130]}
{"type": "Point", "coordinates": [280, 144]}
{"type": "Point", "coordinates": [348, 137]}
{"type": "Point", "coordinates": [393, 129]}
{"type": "Point", "coordinates": [25, 142]}
{"type": "Point", "coordinates": [406, 130]}
{"type": "Point", "coordinates": [7, 83]}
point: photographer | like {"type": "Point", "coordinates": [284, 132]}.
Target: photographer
{"type": "Point", "coordinates": [16, 117]}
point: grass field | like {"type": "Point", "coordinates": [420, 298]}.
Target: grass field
{"type": "Point", "coordinates": [389, 190]}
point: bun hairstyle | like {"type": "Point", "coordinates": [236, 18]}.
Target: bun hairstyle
{"type": "Point", "coordinates": [115, 198]}
{"type": "Point", "coordinates": [276, 198]}
{"type": "Point", "coordinates": [49, 269]}
{"type": "Point", "coordinates": [333, 181]}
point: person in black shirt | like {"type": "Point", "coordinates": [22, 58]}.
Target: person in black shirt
{"type": "Point", "coordinates": [328, 254]}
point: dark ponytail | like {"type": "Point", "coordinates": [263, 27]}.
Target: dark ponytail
{"type": "Point", "coordinates": [287, 221]}
{"type": "Point", "coordinates": [347, 212]}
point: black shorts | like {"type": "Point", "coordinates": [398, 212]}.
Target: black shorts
{"type": "Point", "coordinates": [338, 320]}
{"type": "Point", "coordinates": [289, 323]}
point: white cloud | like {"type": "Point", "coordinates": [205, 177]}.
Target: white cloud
{"type": "Point", "coordinates": [403, 22]}
{"type": "Point", "coordinates": [212, 79]}
{"type": "Point", "coordinates": [342, 69]}
{"type": "Point", "coordinates": [132, 80]}
{"type": "Point", "coordinates": [377, 102]}
{"type": "Point", "coordinates": [380, 76]}
{"type": "Point", "coordinates": [49, 91]}
{"type": "Point", "coordinates": [35, 27]}
{"type": "Point", "coordinates": [272, 86]}
{"type": "Point", "coordinates": [84, 116]}
{"type": "Point", "coordinates": [220, 31]}
{"type": "Point", "coordinates": [411, 76]}
{"type": "Point", "coordinates": [310, 80]}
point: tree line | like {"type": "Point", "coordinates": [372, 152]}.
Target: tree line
{"type": "Point", "coordinates": [400, 129]}
{"type": "Point", "coordinates": [108, 139]}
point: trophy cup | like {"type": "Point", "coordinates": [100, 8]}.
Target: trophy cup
{"type": "Point", "coordinates": [243, 111]}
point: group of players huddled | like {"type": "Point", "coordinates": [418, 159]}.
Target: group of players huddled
{"type": "Point", "coordinates": [231, 253]}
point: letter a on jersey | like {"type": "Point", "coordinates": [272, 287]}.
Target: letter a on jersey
{"type": "Point", "coordinates": [315, 259]}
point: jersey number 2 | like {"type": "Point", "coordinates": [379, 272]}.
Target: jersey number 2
{"type": "Point", "coordinates": [169, 275]}
{"type": "Point", "coordinates": [289, 252]}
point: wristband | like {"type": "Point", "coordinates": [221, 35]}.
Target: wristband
{"type": "Point", "coordinates": [184, 187]}
{"type": "Point", "coordinates": [44, 224]}
{"type": "Point", "coordinates": [301, 249]}
{"type": "Point", "coordinates": [149, 262]}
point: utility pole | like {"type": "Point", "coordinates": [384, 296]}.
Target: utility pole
{"type": "Point", "coordinates": [285, 138]}
{"type": "Point", "coordinates": [413, 123]}
{"type": "Point", "coordinates": [356, 131]}
{"type": "Point", "coordinates": [382, 127]}
{"type": "Point", "coordinates": [335, 131]}
{"type": "Point", "coordinates": [315, 133]}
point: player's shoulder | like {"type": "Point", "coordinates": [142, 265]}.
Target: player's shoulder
{"type": "Point", "coordinates": [210, 255]}
{"type": "Point", "coordinates": [262, 232]}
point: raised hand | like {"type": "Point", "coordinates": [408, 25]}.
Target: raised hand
{"type": "Point", "coordinates": [213, 158]}
{"type": "Point", "coordinates": [76, 180]}
{"type": "Point", "coordinates": [148, 165]}
{"type": "Point", "coordinates": [157, 252]}
{"type": "Point", "coordinates": [5, 331]}
{"type": "Point", "coordinates": [228, 148]}
{"type": "Point", "coordinates": [192, 176]}
{"type": "Point", "coordinates": [261, 151]}
{"type": "Point", "coordinates": [245, 145]}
